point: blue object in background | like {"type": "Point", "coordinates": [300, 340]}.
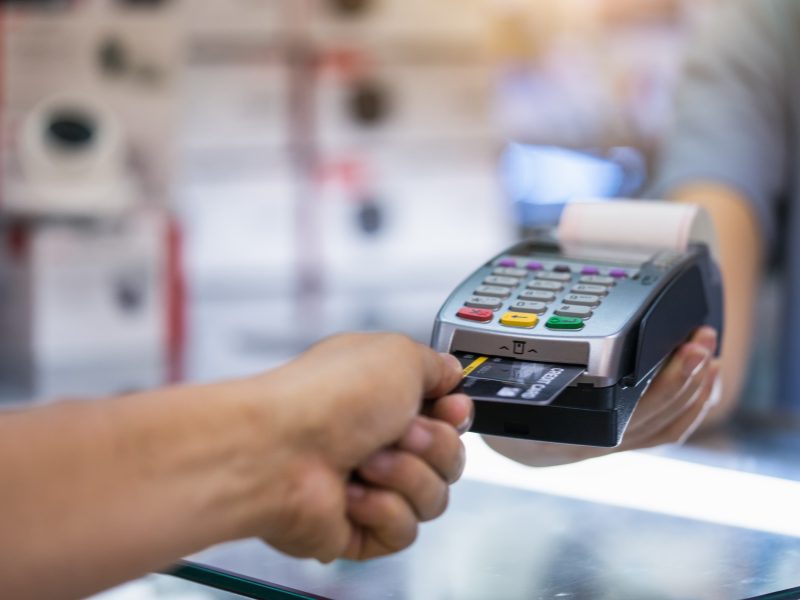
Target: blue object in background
{"type": "Point", "coordinates": [540, 180]}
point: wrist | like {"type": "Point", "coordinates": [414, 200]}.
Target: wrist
{"type": "Point", "coordinates": [206, 448]}
{"type": "Point", "coordinates": [273, 460]}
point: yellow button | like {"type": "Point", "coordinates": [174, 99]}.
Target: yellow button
{"type": "Point", "coordinates": [516, 319]}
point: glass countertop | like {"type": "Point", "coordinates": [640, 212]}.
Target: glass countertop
{"type": "Point", "coordinates": [717, 519]}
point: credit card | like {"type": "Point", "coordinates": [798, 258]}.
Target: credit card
{"type": "Point", "coordinates": [505, 379]}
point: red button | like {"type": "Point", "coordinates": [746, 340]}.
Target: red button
{"type": "Point", "coordinates": [475, 314]}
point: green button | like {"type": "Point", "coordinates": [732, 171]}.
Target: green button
{"type": "Point", "coordinates": [564, 323]}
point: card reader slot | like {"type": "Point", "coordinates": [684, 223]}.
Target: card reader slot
{"type": "Point", "coordinates": [522, 348]}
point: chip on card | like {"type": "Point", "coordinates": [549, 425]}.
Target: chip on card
{"type": "Point", "coordinates": [508, 380]}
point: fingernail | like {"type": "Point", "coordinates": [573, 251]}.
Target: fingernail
{"type": "Point", "coordinates": [380, 463]}
{"type": "Point", "coordinates": [355, 491]}
{"type": "Point", "coordinates": [708, 339]}
{"type": "Point", "coordinates": [452, 362]}
{"type": "Point", "coordinates": [467, 423]}
{"type": "Point", "coordinates": [694, 360]}
{"type": "Point", "coordinates": [417, 439]}
{"type": "Point", "coordinates": [462, 459]}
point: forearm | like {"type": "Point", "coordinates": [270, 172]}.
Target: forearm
{"type": "Point", "coordinates": [97, 492]}
{"type": "Point", "coordinates": [741, 256]}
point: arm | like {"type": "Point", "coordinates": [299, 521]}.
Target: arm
{"type": "Point", "coordinates": [741, 245]}
{"type": "Point", "coordinates": [727, 152]}
{"type": "Point", "coordinates": [97, 492]}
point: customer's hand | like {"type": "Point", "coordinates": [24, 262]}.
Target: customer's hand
{"type": "Point", "coordinates": [354, 467]}
{"type": "Point", "coordinates": [333, 455]}
{"type": "Point", "coordinates": [670, 410]}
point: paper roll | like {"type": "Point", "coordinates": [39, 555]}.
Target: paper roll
{"type": "Point", "coordinates": [636, 224]}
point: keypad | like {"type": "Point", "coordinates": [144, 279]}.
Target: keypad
{"type": "Point", "coordinates": [484, 302]}
{"type": "Point", "coordinates": [571, 310]}
{"type": "Point", "coordinates": [543, 283]}
{"type": "Point", "coordinates": [502, 281]}
{"type": "Point", "coordinates": [529, 307]}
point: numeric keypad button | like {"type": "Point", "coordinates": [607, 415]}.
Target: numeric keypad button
{"type": "Point", "coordinates": [570, 310]}
{"type": "Point", "coordinates": [502, 281]}
{"type": "Point", "coordinates": [597, 280]}
{"type": "Point", "coordinates": [586, 288]}
{"type": "Point", "coordinates": [548, 286]}
{"type": "Point", "coordinates": [537, 296]}
{"type": "Point", "coordinates": [582, 300]}
{"type": "Point", "coordinates": [551, 276]}
{"type": "Point", "coordinates": [509, 272]}
{"type": "Point", "coordinates": [495, 291]}
{"type": "Point", "coordinates": [529, 307]}
{"type": "Point", "coordinates": [484, 302]}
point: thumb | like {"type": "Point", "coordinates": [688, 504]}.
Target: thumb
{"type": "Point", "coordinates": [441, 373]}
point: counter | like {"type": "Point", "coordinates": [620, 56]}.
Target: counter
{"type": "Point", "coordinates": [717, 519]}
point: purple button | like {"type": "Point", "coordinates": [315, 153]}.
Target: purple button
{"type": "Point", "coordinates": [590, 271]}
{"type": "Point", "coordinates": [534, 266]}
{"type": "Point", "coordinates": [617, 273]}
{"type": "Point", "coordinates": [507, 262]}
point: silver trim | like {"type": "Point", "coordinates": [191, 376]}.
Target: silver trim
{"type": "Point", "coordinates": [603, 345]}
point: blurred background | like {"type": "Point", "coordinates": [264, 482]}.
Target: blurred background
{"type": "Point", "coordinates": [198, 189]}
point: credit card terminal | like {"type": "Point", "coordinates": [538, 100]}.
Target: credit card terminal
{"type": "Point", "coordinates": [559, 345]}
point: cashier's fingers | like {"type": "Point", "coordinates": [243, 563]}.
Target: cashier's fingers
{"type": "Point", "coordinates": [660, 405]}
{"type": "Point", "coordinates": [686, 422]}
{"type": "Point", "coordinates": [383, 523]}
{"type": "Point", "coordinates": [411, 477]}
{"type": "Point", "coordinates": [438, 444]}
{"type": "Point", "coordinates": [677, 382]}
{"type": "Point", "coordinates": [713, 399]}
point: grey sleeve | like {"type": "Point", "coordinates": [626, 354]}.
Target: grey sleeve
{"type": "Point", "coordinates": [732, 118]}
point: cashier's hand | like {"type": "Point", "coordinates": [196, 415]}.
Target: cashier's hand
{"type": "Point", "coordinates": [670, 411]}
{"type": "Point", "coordinates": [359, 465]}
